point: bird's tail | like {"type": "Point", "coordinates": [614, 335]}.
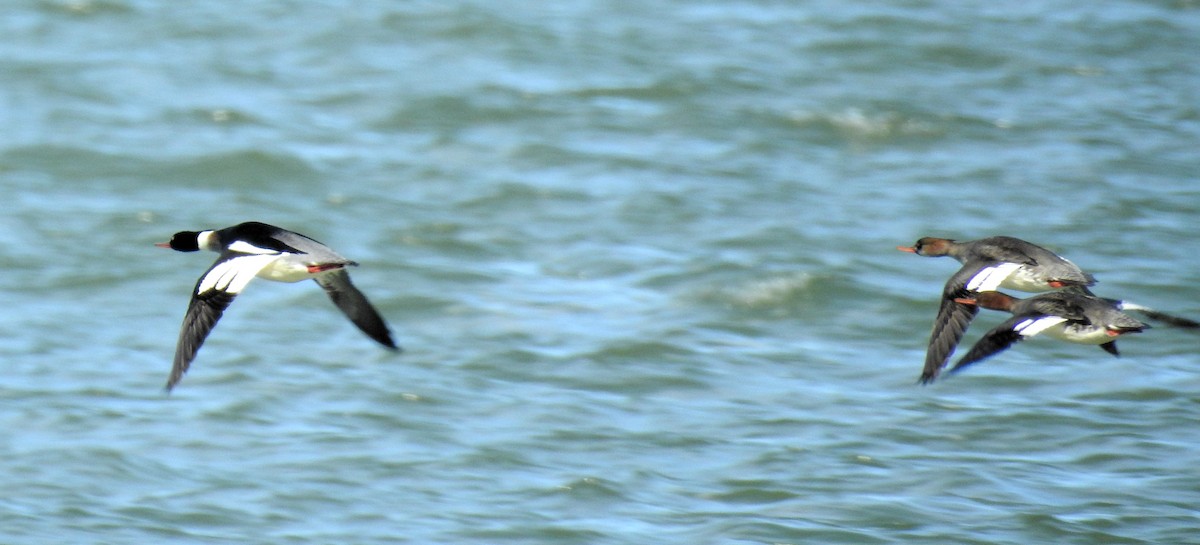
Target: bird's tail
{"type": "Point", "coordinates": [1158, 316]}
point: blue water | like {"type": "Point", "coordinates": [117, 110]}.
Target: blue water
{"type": "Point", "coordinates": [640, 257]}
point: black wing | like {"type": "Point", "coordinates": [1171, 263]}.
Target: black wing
{"type": "Point", "coordinates": [213, 293]}
{"type": "Point", "coordinates": [202, 315]}
{"type": "Point", "coordinates": [1004, 335]}
{"type": "Point", "coordinates": [948, 329]}
{"type": "Point", "coordinates": [355, 306]}
{"type": "Point", "coordinates": [993, 342]}
{"type": "Point", "coordinates": [953, 317]}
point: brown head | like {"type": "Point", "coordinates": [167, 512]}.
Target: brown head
{"type": "Point", "coordinates": [929, 247]}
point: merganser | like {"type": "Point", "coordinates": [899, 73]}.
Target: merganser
{"type": "Point", "coordinates": [988, 264]}
{"type": "Point", "coordinates": [1068, 315]}
{"type": "Point", "coordinates": [253, 249]}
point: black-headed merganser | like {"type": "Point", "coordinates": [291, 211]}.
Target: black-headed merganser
{"type": "Point", "coordinates": [988, 264]}
{"type": "Point", "coordinates": [1069, 315]}
{"type": "Point", "coordinates": [256, 249]}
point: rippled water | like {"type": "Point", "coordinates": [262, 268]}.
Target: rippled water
{"type": "Point", "coordinates": [640, 257]}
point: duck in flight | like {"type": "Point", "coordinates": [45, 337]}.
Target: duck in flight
{"type": "Point", "coordinates": [1070, 315]}
{"type": "Point", "coordinates": [988, 264]}
{"type": "Point", "coordinates": [254, 249]}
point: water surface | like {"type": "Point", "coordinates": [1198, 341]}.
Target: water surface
{"type": "Point", "coordinates": [640, 257]}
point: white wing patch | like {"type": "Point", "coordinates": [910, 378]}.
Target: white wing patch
{"type": "Point", "coordinates": [989, 278]}
{"type": "Point", "coordinates": [1033, 326]}
{"type": "Point", "coordinates": [232, 275]}
{"type": "Point", "coordinates": [243, 247]}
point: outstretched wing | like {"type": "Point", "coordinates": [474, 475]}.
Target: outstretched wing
{"type": "Point", "coordinates": [1013, 330]}
{"type": "Point", "coordinates": [213, 293]}
{"type": "Point", "coordinates": [986, 277]}
{"type": "Point", "coordinates": [953, 317]}
{"type": "Point", "coordinates": [948, 328]}
{"type": "Point", "coordinates": [355, 306]}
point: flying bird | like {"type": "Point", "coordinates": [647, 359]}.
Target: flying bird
{"type": "Point", "coordinates": [988, 264]}
{"type": "Point", "coordinates": [253, 249]}
{"type": "Point", "coordinates": [1069, 315]}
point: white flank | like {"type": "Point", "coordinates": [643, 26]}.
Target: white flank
{"type": "Point", "coordinates": [232, 275]}
{"type": "Point", "coordinates": [1082, 334]}
{"type": "Point", "coordinates": [989, 278]}
{"type": "Point", "coordinates": [1033, 326]}
{"type": "Point", "coordinates": [286, 268]}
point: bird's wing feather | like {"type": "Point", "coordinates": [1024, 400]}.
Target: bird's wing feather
{"type": "Point", "coordinates": [355, 306]}
{"type": "Point", "coordinates": [953, 317]}
{"type": "Point", "coordinates": [214, 292]}
{"type": "Point", "coordinates": [1001, 337]}
{"type": "Point", "coordinates": [990, 276]}
{"type": "Point", "coordinates": [948, 329]}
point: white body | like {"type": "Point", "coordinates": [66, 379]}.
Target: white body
{"type": "Point", "coordinates": [233, 275]}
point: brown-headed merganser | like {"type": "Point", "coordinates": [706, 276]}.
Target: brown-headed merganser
{"type": "Point", "coordinates": [1069, 315]}
{"type": "Point", "coordinates": [988, 264]}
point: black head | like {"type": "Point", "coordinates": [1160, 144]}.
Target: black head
{"type": "Point", "coordinates": [183, 241]}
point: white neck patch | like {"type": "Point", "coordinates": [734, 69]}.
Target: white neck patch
{"type": "Point", "coordinates": [207, 240]}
